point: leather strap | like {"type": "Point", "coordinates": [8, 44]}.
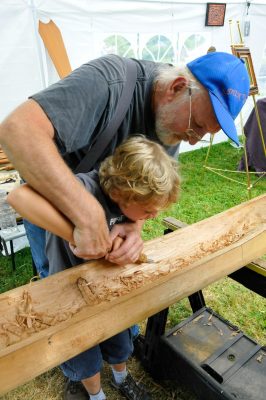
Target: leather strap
{"type": "Point", "coordinates": [105, 137]}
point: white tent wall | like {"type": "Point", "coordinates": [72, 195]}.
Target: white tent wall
{"type": "Point", "coordinates": [19, 61]}
{"type": "Point", "coordinates": [86, 26]}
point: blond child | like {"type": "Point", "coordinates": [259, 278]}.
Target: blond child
{"type": "Point", "coordinates": [133, 184]}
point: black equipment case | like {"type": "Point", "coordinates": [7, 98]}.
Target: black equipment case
{"type": "Point", "coordinates": [214, 358]}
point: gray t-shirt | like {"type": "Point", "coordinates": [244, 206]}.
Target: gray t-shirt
{"type": "Point", "coordinates": [57, 250]}
{"type": "Point", "coordinates": [81, 106]}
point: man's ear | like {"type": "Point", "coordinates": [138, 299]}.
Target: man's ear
{"type": "Point", "coordinates": [178, 85]}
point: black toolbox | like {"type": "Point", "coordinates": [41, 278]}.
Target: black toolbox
{"type": "Point", "coordinates": [213, 358]}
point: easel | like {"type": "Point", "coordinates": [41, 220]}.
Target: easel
{"type": "Point", "coordinates": [239, 50]}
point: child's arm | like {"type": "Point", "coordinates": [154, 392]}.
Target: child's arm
{"type": "Point", "coordinates": [35, 208]}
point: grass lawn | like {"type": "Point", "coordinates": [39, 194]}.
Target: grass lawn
{"type": "Point", "coordinates": [203, 195]}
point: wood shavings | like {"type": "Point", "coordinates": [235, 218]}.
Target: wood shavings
{"type": "Point", "coordinates": [261, 357]}
{"type": "Point", "coordinates": [235, 333]}
{"type": "Point", "coordinates": [208, 248]}
{"type": "Point", "coordinates": [195, 320]}
{"type": "Point", "coordinates": [87, 291]}
{"type": "Point", "coordinates": [28, 321]}
{"type": "Point", "coordinates": [142, 259]}
{"type": "Point", "coordinates": [13, 328]}
{"type": "Point", "coordinates": [223, 241]}
{"type": "Point", "coordinates": [210, 317]}
{"type": "Point", "coordinates": [25, 316]}
{"type": "Point", "coordinates": [178, 332]}
{"type": "Point", "coordinates": [211, 323]}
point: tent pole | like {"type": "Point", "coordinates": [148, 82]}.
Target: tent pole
{"type": "Point", "coordinates": [38, 42]}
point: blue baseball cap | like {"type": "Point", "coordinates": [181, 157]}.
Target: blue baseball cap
{"type": "Point", "coordinates": [226, 78]}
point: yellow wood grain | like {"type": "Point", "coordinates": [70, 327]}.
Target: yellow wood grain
{"type": "Point", "coordinates": [185, 261]}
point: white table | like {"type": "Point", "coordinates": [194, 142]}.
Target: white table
{"type": "Point", "coordinates": [7, 236]}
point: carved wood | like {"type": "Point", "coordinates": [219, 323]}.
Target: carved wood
{"type": "Point", "coordinates": [44, 323]}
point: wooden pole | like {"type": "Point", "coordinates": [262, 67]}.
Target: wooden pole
{"type": "Point", "coordinates": [53, 41]}
{"type": "Point", "coordinates": [47, 322]}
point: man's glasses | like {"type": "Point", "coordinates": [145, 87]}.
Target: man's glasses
{"type": "Point", "coordinates": [190, 132]}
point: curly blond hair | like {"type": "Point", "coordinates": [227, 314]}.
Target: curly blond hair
{"type": "Point", "coordinates": [140, 171]}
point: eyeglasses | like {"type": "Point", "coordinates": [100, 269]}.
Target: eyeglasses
{"type": "Point", "coordinates": [190, 132]}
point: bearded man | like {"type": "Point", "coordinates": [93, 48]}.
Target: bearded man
{"type": "Point", "coordinates": [47, 137]}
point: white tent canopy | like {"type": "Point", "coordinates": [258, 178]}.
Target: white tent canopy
{"type": "Point", "coordinates": [171, 31]}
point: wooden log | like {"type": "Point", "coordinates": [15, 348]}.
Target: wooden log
{"type": "Point", "coordinates": [47, 322]}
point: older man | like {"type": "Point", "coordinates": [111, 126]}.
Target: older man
{"type": "Point", "coordinates": [47, 136]}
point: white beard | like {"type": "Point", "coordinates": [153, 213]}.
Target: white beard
{"type": "Point", "coordinates": [165, 116]}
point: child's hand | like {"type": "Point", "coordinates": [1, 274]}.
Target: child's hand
{"type": "Point", "coordinates": [127, 244]}
{"type": "Point", "coordinates": [118, 241]}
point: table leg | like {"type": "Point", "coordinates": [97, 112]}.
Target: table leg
{"type": "Point", "coordinates": [12, 255]}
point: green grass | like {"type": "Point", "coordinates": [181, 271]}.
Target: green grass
{"type": "Point", "coordinates": [22, 274]}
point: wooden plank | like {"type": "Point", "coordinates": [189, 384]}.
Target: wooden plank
{"type": "Point", "coordinates": [261, 263]}
{"type": "Point", "coordinates": [173, 223]}
{"type": "Point", "coordinates": [53, 41]}
{"type": "Point", "coordinates": [257, 267]}
{"type": "Point", "coordinates": [185, 261]}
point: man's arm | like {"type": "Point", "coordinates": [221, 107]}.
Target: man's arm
{"type": "Point", "coordinates": [27, 138]}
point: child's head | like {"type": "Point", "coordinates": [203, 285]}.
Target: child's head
{"type": "Point", "coordinates": [140, 177]}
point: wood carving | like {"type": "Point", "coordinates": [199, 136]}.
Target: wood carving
{"type": "Point", "coordinates": [44, 323]}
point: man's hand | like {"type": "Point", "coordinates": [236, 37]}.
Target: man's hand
{"type": "Point", "coordinates": [130, 249]}
{"type": "Point", "coordinates": [92, 241]}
